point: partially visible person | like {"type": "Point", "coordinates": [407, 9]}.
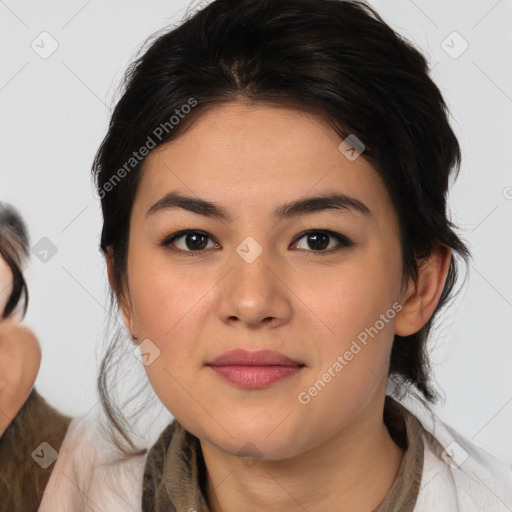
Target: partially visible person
{"type": "Point", "coordinates": [26, 420]}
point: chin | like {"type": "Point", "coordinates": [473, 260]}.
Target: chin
{"type": "Point", "coordinates": [257, 440]}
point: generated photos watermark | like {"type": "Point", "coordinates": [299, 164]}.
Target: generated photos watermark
{"type": "Point", "coordinates": [137, 156]}
{"type": "Point", "coordinates": [304, 397]}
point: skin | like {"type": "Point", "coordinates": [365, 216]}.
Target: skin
{"type": "Point", "coordinates": [20, 358]}
{"type": "Point", "coordinates": [334, 453]}
{"type": "Point", "coordinates": [5, 284]}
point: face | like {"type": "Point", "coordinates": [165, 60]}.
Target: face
{"type": "Point", "coordinates": [20, 355]}
{"type": "Point", "coordinates": [320, 286]}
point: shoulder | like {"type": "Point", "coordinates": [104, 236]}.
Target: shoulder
{"type": "Point", "coordinates": [90, 472]}
{"type": "Point", "coordinates": [23, 444]}
{"type": "Point", "coordinates": [458, 475]}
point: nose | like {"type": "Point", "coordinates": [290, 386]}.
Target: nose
{"type": "Point", "coordinates": [255, 294]}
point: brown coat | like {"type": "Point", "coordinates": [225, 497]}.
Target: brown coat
{"type": "Point", "coordinates": [22, 479]}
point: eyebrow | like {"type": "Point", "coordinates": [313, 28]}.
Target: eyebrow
{"type": "Point", "coordinates": [334, 201]}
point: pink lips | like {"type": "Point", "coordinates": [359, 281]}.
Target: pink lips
{"type": "Point", "coordinates": [254, 369]}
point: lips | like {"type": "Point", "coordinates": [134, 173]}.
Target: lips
{"type": "Point", "coordinates": [240, 357]}
{"type": "Point", "coordinates": [254, 370]}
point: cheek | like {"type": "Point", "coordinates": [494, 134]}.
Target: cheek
{"type": "Point", "coordinates": [169, 305]}
{"type": "Point", "coordinates": [353, 297]}
{"type": "Point", "coordinates": [359, 304]}
{"type": "Point", "coordinates": [354, 353]}
{"type": "Point", "coordinates": [165, 296]}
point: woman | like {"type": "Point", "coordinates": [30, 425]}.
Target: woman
{"type": "Point", "coordinates": [31, 431]}
{"type": "Point", "coordinates": [273, 186]}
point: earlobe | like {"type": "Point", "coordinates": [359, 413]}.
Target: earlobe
{"type": "Point", "coordinates": [124, 305]}
{"type": "Point", "coordinates": [423, 294]}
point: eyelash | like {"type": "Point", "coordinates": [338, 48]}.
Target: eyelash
{"type": "Point", "coordinates": [170, 239]}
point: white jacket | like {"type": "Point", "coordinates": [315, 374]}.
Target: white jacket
{"type": "Point", "coordinates": [458, 475]}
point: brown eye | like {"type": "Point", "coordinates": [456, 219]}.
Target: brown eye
{"type": "Point", "coordinates": [192, 241]}
{"type": "Point", "coordinates": [320, 240]}
{"type": "Point", "coordinates": [189, 241]}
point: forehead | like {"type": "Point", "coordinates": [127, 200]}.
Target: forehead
{"type": "Point", "coordinates": [5, 272]}
{"type": "Point", "coordinates": [5, 283]}
{"type": "Point", "coordinates": [256, 156]}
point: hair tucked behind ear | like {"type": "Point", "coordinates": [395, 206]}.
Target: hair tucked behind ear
{"type": "Point", "coordinates": [336, 59]}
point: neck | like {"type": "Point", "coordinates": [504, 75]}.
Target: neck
{"type": "Point", "coordinates": [351, 471]}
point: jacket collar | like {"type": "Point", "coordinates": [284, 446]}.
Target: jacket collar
{"type": "Point", "coordinates": [175, 472]}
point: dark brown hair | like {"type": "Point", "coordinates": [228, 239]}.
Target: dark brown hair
{"type": "Point", "coordinates": [337, 59]}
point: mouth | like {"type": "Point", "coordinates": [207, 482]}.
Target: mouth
{"type": "Point", "coordinates": [255, 377]}
{"type": "Point", "coordinates": [244, 357]}
{"type": "Point", "coordinates": [254, 370]}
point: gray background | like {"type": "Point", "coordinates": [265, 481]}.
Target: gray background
{"type": "Point", "coordinates": [55, 112]}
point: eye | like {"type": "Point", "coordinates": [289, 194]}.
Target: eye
{"type": "Point", "coordinates": [193, 241]}
{"type": "Point", "coordinates": [318, 240]}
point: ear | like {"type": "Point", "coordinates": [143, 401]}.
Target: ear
{"type": "Point", "coordinates": [123, 298]}
{"type": "Point", "coordinates": [422, 295]}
